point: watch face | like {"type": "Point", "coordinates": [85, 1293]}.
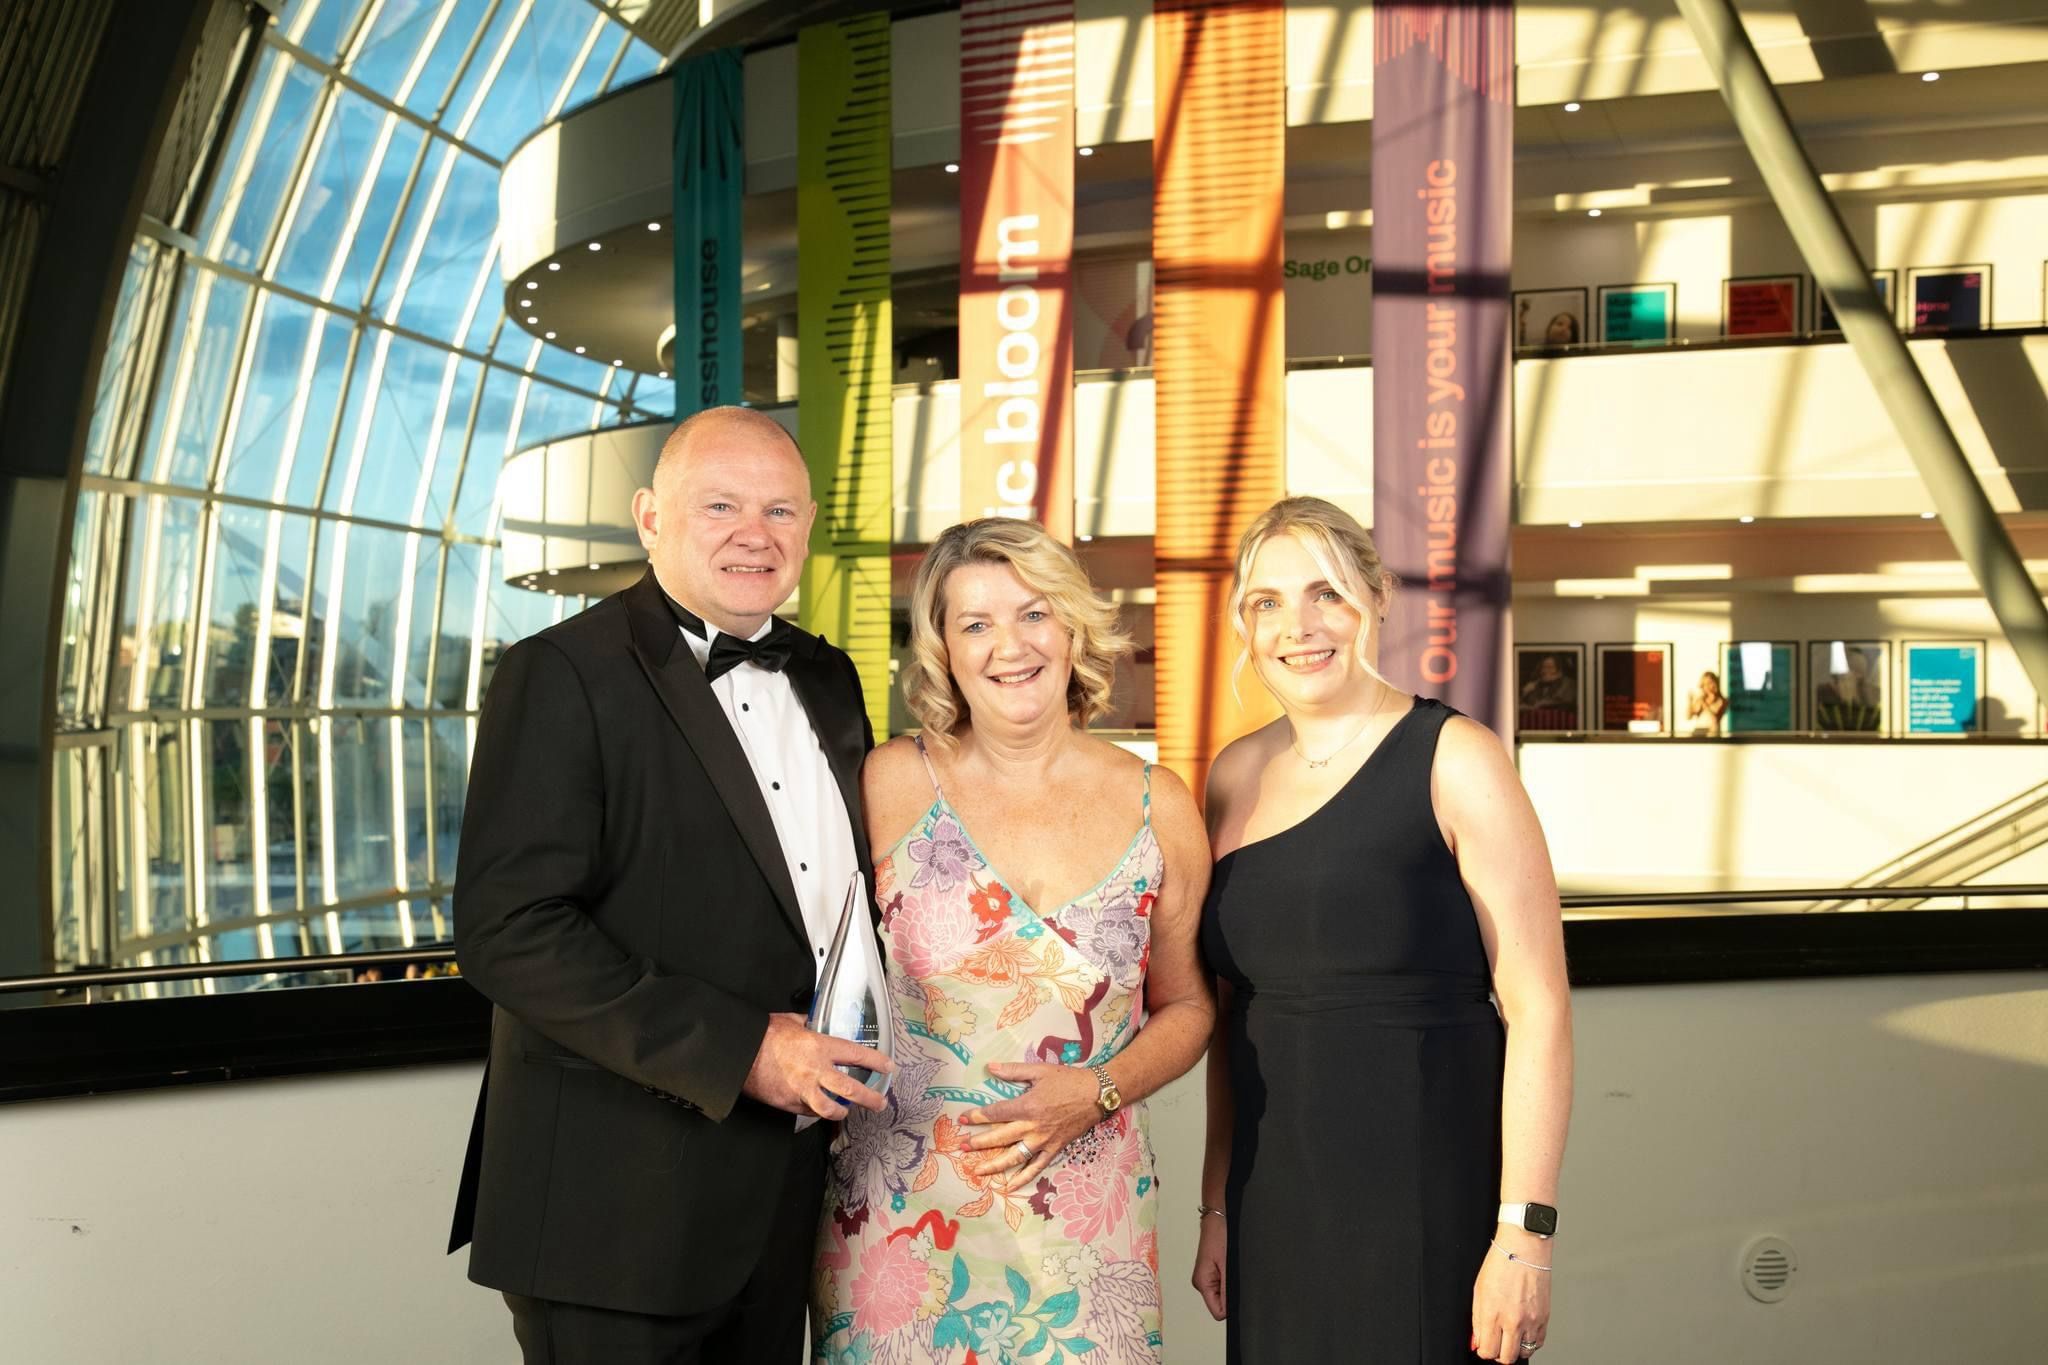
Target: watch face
{"type": "Point", "coordinates": [1541, 1219]}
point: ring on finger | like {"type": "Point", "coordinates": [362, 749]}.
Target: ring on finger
{"type": "Point", "coordinates": [1023, 1150]}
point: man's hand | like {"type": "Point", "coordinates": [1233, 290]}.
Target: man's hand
{"type": "Point", "coordinates": [797, 1071]}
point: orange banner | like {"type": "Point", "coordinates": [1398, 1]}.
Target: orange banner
{"type": "Point", "coordinates": [1218, 169]}
{"type": "Point", "coordinates": [1016, 255]}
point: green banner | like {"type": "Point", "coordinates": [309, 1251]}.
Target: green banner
{"type": "Point", "coordinates": [710, 174]}
{"type": "Point", "coordinates": [845, 364]}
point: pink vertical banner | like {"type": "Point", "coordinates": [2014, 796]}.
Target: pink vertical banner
{"type": "Point", "coordinates": [1443, 458]}
{"type": "Point", "coordinates": [1016, 260]}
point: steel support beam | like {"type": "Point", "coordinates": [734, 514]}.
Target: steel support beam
{"type": "Point", "coordinates": [1980, 538]}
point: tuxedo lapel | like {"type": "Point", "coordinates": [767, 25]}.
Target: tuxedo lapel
{"type": "Point", "coordinates": [686, 695]}
{"type": "Point", "coordinates": [838, 723]}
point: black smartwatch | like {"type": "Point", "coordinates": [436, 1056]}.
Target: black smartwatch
{"type": "Point", "coordinates": [1537, 1219]}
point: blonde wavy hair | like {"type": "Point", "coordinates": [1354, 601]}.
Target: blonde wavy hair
{"type": "Point", "coordinates": [1047, 567]}
{"type": "Point", "coordinates": [1341, 548]}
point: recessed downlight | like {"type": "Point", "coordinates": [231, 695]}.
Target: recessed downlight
{"type": "Point", "coordinates": [1572, 107]}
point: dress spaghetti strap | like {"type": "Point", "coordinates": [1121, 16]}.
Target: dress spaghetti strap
{"type": "Point", "coordinates": [933, 774]}
{"type": "Point", "coordinates": [1148, 796]}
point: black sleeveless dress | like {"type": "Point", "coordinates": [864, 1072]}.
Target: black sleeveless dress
{"type": "Point", "coordinates": [1365, 1064]}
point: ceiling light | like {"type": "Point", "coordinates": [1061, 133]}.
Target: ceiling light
{"type": "Point", "coordinates": [1927, 516]}
{"type": "Point", "coordinates": [1930, 76]}
{"type": "Point", "coordinates": [1084, 537]}
{"type": "Point", "coordinates": [1087, 151]}
{"type": "Point", "coordinates": [593, 566]}
{"type": "Point", "coordinates": [1592, 213]}
{"type": "Point", "coordinates": [1572, 108]}
{"type": "Point", "coordinates": [1745, 520]}
{"type": "Point", "coordinates": [617, 363]}
{"type": "Point", "coordinates": [597, 246]}
{"type": "Point", "coordinates": [654, 227]}
{"type": "Point", "coordinates": [1575, 525]}
{"type": "Point", "coordinates": [579, 350]}
{"type": "Point", "coordinates": [553, 572]}
{"type": "Point", "coordinates": [952, 168]}
{"type": "Point", "coordinates": [530, 320]}
{"type": "Point", "coordinates": [533, 284]}
{"type": "Point", "coordinates": [554, 265]}
{"type": "Point", "coordinates": [765, 284]}
{"type": "Point", "coordinates": [551, 336]}
{"type": "Point", "coordinates": [662, 375]}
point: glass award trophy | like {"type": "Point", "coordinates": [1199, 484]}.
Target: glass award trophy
{"type": "Point", "coordinates": [852, 999]}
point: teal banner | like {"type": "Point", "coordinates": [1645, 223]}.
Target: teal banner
{"type": "Point", "coordinates": [710, 174]}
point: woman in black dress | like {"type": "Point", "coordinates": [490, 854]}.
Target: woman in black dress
{"type": "Point", "coordinates": [1381, 1175]}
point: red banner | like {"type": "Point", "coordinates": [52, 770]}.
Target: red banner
{"type": "Point", "coordinates": [1016, 260]}
{"type": "Point", "coordinates": [1442, 183]}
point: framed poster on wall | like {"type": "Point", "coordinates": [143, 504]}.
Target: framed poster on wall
{"type": "Point", "coordinates": [1762, 305]}
{"type": "Point", "coordinates": [1546, 318]}
{"type": "Point", "coordinates": [1885, 282]}
{"type": "Point", "coordinates": [1635, 688]}
{"type": "Point", "coordinates": [1848, 680]}
{"type": "Point", "coordinates": [1638, 313]}
{"type": "Point", "coordinates": [1761, 682]}
{"type": "Point", "coordinates": [1949, 298]}
{"type": "Point", "coordinates": [1550, 688]}
{"type": "Point", "coordinates": [1943, 687]}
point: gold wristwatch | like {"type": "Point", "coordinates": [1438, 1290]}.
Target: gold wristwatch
{"type": "Point", "coordinates": [1109, 1097]}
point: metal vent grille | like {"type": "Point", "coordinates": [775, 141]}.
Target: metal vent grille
{"type": "Point", "coordinates": [46, 51]}
{"type": "Point", "coordinates": [1768, 1266]}
{"type": "Point", "coordinates": [203, 103]}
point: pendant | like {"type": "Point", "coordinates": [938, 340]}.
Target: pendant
{"type": "Point", "coordinates": [1317, 762]}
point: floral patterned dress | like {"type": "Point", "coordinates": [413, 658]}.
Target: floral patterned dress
{"type": "Point", "coordinates": [920, 1260]}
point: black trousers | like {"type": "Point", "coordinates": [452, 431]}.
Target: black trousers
{"type": "Point", "coordinates": [763, 1325]}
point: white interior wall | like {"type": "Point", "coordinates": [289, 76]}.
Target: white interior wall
{"type": "Point", "coordinates": [1888, 1127]}
{"type": "Point", "coordinates": [1684, 816]}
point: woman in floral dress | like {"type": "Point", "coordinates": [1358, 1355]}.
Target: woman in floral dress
{"type": "Point", "coordinates": [1040, 893]}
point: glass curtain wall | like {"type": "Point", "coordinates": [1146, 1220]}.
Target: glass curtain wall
{"type": "Point", "coordinates": [284, 599]}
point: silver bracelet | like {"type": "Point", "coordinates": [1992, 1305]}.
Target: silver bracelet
{"type": "Point", "coordinates": [1203, 1211]}
{"type": "Point", "coordinates": [1519, 1260]}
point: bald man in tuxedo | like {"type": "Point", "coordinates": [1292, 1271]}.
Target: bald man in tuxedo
{"type": "Point", "coordinates": [663, 818]}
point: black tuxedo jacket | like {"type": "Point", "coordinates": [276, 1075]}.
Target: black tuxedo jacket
{"type": "Point", "coordinates": [622, 898]}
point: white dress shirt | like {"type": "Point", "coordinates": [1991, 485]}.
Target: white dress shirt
{"type": "Point", "coordinates": [796, 781]}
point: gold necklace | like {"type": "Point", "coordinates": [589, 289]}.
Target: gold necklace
{"type": "Point", "coordinates": [1324, 761]}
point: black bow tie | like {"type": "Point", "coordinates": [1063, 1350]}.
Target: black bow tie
{"type": "Point", "coordinates": [771, 651]}
{"type": "Point", "coordinates": [728, 652]}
